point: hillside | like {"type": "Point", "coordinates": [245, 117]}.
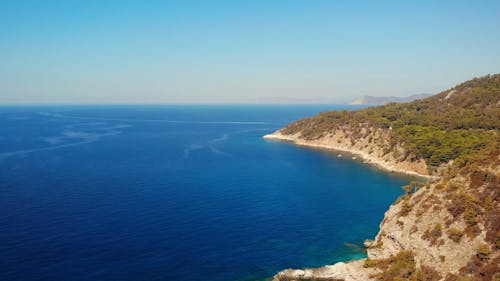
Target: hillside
{"type": "Point", "coordinates": [438, 129]}
{"type": "Point", "coordinates": [445, 229]}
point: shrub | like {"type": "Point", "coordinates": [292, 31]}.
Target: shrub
{"type": "Point", "coordinates": [436, 231]}
{"type": "Point", "coordinates": [455, 234]}
{"type": "Point", "coordinates": [401, 265]}
{"type": "Point", "coordinates": [483, 252]}
{"type": "Point", "coordinates": [471, 216]}
{"type": "Point", "coordinates": [413, 229]}
{"type": "Point", "coordinates": [478, 178]}
{"type": "Point", "coordinates": [369, 263]}
{"type": "Point", "coordinates": [433, 234]}
{"type": "Point", "coordinates": [405, 208]}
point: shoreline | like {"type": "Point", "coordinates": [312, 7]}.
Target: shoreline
{"type": "Point", "coordinates": [367, 159]}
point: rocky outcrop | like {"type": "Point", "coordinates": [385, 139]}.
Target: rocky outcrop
{"type": "Point", "coordinates": [351, 271]}
{"type": "Point", "coordinates": [423, 223]}
{"type": "Point", "coordinates": [451, 226]}
{"type": "Point", "coordinates": [429, 223]}
{"type": "Point", "coordinates": [445, 229]}
{"type": "Point", "coordinates": [425, 230]}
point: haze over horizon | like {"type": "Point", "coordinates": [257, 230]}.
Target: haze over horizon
{"type": "Point", "coordinates": [135, 52]}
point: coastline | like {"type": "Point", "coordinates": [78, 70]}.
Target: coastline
{"type": "Point", "coordinates": [353, 270]}
{"type": "Point", "coordinates": [366, 157]}
{"type": "Point", "coordinates": [445, 229]}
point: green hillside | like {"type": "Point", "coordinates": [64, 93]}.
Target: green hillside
{"type": "Point", "coordinates": [452, 125]}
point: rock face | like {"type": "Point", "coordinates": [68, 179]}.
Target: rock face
{"type": "Point", "coordinates": [425, 231]}
{"type": "Point", "coordinates": [351, 271]}
{"type": "Point", "coordinates": [443, 223]}
{"type": "Point", "coordinates": [445, 229]}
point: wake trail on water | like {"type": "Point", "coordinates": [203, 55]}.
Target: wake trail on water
{"type": "Point", "coordinates": [82, 137]}
{"type": "Point", "coordinates": [62, 116]}
{"type": "Point", "coordinates": [211, 144]}
{"type": "Point", "coordinates": [90, 135]}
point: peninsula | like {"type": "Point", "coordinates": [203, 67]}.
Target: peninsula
{"type": "Point", "coordinates": [445, 229]}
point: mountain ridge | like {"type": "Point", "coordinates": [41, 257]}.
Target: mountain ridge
{"type": "Point", "coordinates": [373, 100]}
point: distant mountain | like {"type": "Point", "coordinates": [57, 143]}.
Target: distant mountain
{"type": "Point", "coordinates": [371, 100]}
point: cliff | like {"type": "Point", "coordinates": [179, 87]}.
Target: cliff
{"type": "Point", "coordinates": [446, 229]}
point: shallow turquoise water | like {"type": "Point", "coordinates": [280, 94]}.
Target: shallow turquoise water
{"type": "Point", "coordinates": [176, 193]}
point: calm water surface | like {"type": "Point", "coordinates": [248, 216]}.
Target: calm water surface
{"type": "Point", "coordinates": [176, 193]}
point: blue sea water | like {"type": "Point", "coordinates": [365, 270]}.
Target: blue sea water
{"type": "Point", "coordinates": [176, 193]}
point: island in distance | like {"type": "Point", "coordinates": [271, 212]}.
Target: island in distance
{"type": "Point", "coordinates": [372, 100]}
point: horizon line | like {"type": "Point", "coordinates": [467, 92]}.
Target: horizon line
{"type": "Point", "coordinates": [170, 104]}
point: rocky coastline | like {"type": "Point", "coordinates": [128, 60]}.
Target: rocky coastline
{"type": "Point", "coordinates": [369, 153]}
{"type": "Point", "coordinates": [418, 223]}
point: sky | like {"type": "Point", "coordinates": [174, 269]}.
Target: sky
{"type": "Point", "coordinates": [217, 52]}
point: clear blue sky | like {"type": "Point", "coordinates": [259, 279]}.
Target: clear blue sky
{"type": "Point", "coordinates": [240, 51]}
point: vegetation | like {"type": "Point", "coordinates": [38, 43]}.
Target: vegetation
{"type": "Point", "coordinates": [455, 234]}
{"type": "Point", "coordinates": [401, 267]}
{"type": "Point", "coordinates": [481, 267]}
{"type": "Point", "coordinates": [405, 208]}
{"type": "Point", "coordinates": [438, 146]}
{"type": "Point", "coordinates": [433, 234]}
{"type": "Point", "coordinates": [412, 187]}
{"type": "Point", "coordinates": [453, 124]}
{"type": "Point", "coordinates": [483, 252]}
{"type": "Point", "coordinates": [457, 133]}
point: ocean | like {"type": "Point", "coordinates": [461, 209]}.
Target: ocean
{"type": "Point", "coordinates": [176, 193]}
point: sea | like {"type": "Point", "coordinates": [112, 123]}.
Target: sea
{"type": "Point", "coordinates": [186, 192]}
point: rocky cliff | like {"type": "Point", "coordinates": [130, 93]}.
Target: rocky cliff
{"type": "Point", "coordinates": [445, 229]}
